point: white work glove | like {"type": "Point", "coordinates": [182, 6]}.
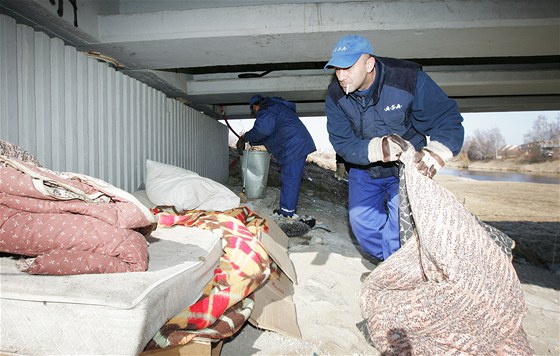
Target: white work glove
{"type": "Point", "coordinates": [340, 171]}
{"type": "Point", "coordinates": [430, 159]}
{"type": "Point", "coordinates": [386, 149]}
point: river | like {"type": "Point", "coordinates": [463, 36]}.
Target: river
{"type": "Point", "coordinates": [502, 176]}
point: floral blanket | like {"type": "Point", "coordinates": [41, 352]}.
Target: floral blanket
{"type": "Point", "coordinates": [68, 223]}
{"type": "Point", "coordinates": [226, 303]}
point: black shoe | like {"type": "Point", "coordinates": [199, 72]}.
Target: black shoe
{"type": "Point", "coordinates": [280, 213]}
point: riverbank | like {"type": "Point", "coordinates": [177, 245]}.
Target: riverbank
{"type": "Point", "coordinates": [511, 165]}
{"type": "Point", "coordinates": [529, 213]}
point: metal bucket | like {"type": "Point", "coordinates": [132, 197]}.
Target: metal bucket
{"type": "Point", "coordinates": [254, 173]}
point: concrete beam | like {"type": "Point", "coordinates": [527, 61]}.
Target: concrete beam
{"type": "Point", "coordinates": [455, 83]}
{"type": "Point", "coordinates": [291, 87]}
{"type": "Point", "coordinates": [290, 32]}
{"type": "Point", "coordinates": [466, 105]}
{"type": "Point", "coordinates": [498, 82]}
{"type": "Point", "coordinates": [509, 103]}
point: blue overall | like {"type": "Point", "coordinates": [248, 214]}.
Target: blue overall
{"type": "Point", "coordinates": [280, 130]}
{"type": "Point", "coordinates": [291, 175]}
{"type": "Point", "coordinates": [402, 100]}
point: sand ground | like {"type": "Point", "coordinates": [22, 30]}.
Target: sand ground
{"type": "Point", "coordinates": [329, 263]}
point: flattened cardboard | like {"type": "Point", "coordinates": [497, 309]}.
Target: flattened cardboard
{"type": "Point", "coordinates": [274, 308]}
{"type": "Point", "coordinates": [195, 347]}
{"type": "Point", "coordinates": [276, 244]}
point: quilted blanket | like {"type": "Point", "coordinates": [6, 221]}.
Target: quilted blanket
{"type": "Point", "coordinates": [226, 303]}
{"type": "Point", "coordinates": [451, 289]}
{"type": "Point", "coordinates": [69, 223]}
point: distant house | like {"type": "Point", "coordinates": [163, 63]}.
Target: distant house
{"type": "Point", "coordinates": [509, 151]}
{"type": "Point", "coordinates": [541, 149]}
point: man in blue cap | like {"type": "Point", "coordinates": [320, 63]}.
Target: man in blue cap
{"type": "Point", "coordinates": [372, 104]}
{"type": "Point", "coordinates": [280, 130]}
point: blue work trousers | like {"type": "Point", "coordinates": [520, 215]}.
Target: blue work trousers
{"type": "Point", "coordinates": [291, 175]}
{"type": "Point", "coordinates": [373, 207]}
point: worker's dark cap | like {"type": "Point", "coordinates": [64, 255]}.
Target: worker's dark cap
{"type": "Point", "coordinates": [255, 99]}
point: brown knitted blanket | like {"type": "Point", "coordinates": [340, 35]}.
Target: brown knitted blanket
{"type": "Point", "coordinates": [451, 289]}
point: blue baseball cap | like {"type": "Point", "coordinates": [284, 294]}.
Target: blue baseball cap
{"type": "Point", "coordinates": [255, 99]}
{"type": "Point", "coordinates": [348, 50]}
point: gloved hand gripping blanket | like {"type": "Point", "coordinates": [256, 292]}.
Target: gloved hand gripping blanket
{"type": "Point", "coordinates": [226, 302]}
{"type": "Point", "coordinates": [451, 289]}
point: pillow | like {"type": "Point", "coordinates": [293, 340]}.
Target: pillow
{"type": "Point", "coordinates": [172, 185]}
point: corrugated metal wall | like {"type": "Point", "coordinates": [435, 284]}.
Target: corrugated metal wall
{"type": "Point", "coordinates": [79, 115]}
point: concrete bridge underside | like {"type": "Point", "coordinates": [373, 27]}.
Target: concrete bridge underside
{"type": "Point", "coordinates": [501, 55]}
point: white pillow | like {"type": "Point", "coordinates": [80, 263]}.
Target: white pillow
{"type": "Point", "coordinates": [172, 185]}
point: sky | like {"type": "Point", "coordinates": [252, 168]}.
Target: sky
{"type": "Point", "coordinates": [512, 125]}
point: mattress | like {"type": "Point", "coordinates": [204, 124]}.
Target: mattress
{"type": "Point", "coordinates": [111, 314]}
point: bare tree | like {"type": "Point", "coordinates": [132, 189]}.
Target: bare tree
{"type": "Point", "coordinates": [484, 144]}
{"type": "Point", "coordinates": [473, 149]}
{"type": "Point", "coordinates": [543, 130]}
{"type": "Point", "coordinates": [495, 142]}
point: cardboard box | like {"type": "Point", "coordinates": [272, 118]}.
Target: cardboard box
{"type": "Point", "coordinates": [194, 348]}
{"type": "Point", "coordinates": [278, 251]}
{"type": "Point", "coordinates": [275, 309]}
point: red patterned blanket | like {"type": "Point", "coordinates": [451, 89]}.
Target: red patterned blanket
{"type": "Point", "coordinates": [226, 303]}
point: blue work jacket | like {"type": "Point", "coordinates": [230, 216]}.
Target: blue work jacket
{"type": "Point", "coordinates": [403, 100]}
{"type": "Point", "coordinates": [280, 130]}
